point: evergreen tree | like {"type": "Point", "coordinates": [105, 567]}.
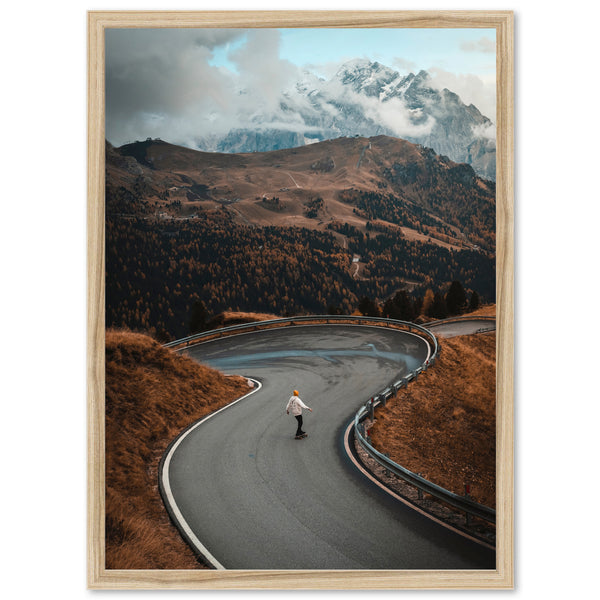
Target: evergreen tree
{"type": "Point", "coordinates": [439, 310]}
{"type": "Point", "coordinates": [368, 307]}
{"type": "Point", "coordinates": [474, 303]}
{"type": "Point", "coordinates": [418, 306]}
{"type": "Point", "coordinates": [199, 317]}
{"type": "Point", "coordinates": [401, 307]}
{"type": "Point", "coordinates": [406, 306]}
{"type": "Point", "coordinates": [332, 309]}
{"type": "Point", "coordinates": [456, 298]}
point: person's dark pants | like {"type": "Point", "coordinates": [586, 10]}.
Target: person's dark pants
{"type": "Point", "coordinates": [299, 430]}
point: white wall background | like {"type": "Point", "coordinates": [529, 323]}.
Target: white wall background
{"type": "Point", "coordinates": [43, 254]}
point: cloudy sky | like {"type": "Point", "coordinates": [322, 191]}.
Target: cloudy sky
{"type": "Point", "coordinates": [179, 84]}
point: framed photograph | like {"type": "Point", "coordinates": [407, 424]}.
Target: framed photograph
{"type": "Point", "coordinates": [300, 300]}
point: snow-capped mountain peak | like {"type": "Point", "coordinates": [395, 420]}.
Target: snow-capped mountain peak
{"type": "Point", "coordinates": [367, 98]}
{"type": "Point", "coordinates": [364, 76]}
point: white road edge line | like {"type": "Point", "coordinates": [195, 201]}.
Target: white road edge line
{"type": "Point", "coordinates": [200, 547]}
{"type": "Point", "coordinates": [167, 488]}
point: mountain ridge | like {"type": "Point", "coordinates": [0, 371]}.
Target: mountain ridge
{"type": "Point", "coordinates": [277, 187]}
{"type": "Point", "coordinates": [367, 98]}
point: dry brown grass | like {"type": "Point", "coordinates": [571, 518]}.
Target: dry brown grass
{"type": "Point", "coordinates": [152, 394]}
{"type": "Point", "coordinates": [227, 318]}
{"type": "Point", "coordinates": [443, 425]}
{"type": "Point", "coordinates": [488, 310]}
{"type": "Point", "coordinates": [287, 174]}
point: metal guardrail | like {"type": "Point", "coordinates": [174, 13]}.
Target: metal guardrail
{"type": "Point", "coordinates": [460, 502]}
{"type": "Point", "coordinates": [466, 505]}
{"type": "Point", "coordinates": [485, 329]}
{"type": "Point", "coordinates": [315, 319]}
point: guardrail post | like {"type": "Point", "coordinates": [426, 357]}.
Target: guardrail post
{"type": "Point", "coordinates": [387, 471]}
{"type": "Point", "coordinates": [371, 409]}
{"type": "Point", "coordinates": [419, 490]}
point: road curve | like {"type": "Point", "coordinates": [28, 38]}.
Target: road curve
{"type": "Point", "coordinates": [453, 328]}
{"type": "Point", "coordinates": [256, 498]}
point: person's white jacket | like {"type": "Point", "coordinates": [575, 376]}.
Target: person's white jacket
{"type": "Point", "coordinates": [296, 405]}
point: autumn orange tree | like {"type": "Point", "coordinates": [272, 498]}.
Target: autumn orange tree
{"type": "Point", "coordinates": [157, 270]}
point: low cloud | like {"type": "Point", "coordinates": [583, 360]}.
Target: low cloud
{"type": "Point", "coordinates": [164, 83]}
{"type": "Point", "coordinates": [263, 74]}
{"type": "Point", "coordinates": [471, 89]}
{"type": "Point", "coordinates": [397, 117]}
{"type": "Point", "coordinates": [393, 114]}
{"type": "Point", "coordinates": [161, 83]}
{"type": "Point", "coordinates": [484, 44]}
{"type": "Point", "coordinates": [403, 65]}
{"type": "Point", "coordinates": [485, 132]}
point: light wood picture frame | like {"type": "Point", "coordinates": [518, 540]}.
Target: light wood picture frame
{"type": "Point", "coordinates": [101, 578]}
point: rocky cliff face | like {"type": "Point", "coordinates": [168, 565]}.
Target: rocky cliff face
{"type": "Point", "coordinates": [366, 99]}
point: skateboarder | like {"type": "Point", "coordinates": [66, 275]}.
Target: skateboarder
{"type": "Point", "coordinates": [296, 405]}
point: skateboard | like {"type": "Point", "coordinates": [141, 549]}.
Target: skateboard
{"type": "Point", "coordinates": [299, 437]}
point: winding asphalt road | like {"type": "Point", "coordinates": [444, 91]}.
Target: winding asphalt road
{"type": "Point", "coordinates": [253, 497]}
{"type": "Point", "coordinates": [461, 327]}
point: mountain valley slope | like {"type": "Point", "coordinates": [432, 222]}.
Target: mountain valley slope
{"type": "Point", "coordinates": [295, 231]}
{"type": "Point", "coordinates": [277, 188]}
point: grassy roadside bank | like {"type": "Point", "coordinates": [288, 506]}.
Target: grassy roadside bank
{"type": "Point", "coordinates": [443, 425]}
{"type": "Point", "coordinates": [152, 394]}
